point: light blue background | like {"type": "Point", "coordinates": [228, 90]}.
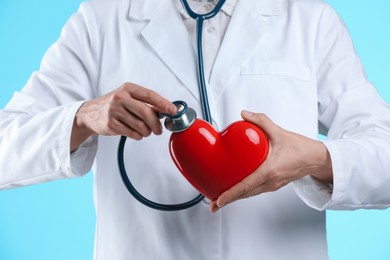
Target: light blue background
{"type": "Point", "coordinates": [56, 220]}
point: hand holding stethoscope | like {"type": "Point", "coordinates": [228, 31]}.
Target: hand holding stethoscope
{"type": "Point", "coordinates": [130, 111]}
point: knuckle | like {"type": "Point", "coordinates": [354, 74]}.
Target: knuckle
{"type": "Point", "coordinates": [115, 98]}
{"type": "Point", "coordinates": [122, 88]}
{"type": "Point", "coordinates": [139, 125]}
{"type": "Point", "coordinates": [246, 187]}
{"type": "Point", "coordinates": [273, 174]}
{"type": "Point", "coordinates": [274, 186]}
{"type": "Point", "coordinates": [246, 196]}
{"type": "Point", "coordinates": [261, 117]}
{"type": "Point", "coordinates": [106, 130]}
{"type": "Point", "coordinates": [142, 128]}
{"type": "Point", "coordinates": [125, 86]}
{"type": "Point", "coordinates": [145, 111]}
{"type": "Point", "coordinates": [110, 126]}
{"type": "Point", "coordinates": [284, 182]}
{"type": "Point", "coordinates": [278, 184]}
{"type": "Point", "coordinates": [135, 135]}
{"type": "Point", "coordinates": [275, 179]}
{"type": "Point", "coordinates": [111, 112]}
{"type": "Point", "coordinates": [149, 94]}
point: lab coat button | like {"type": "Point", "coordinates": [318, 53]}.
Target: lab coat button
{"type": "Point", "coordinates": [211, 29]}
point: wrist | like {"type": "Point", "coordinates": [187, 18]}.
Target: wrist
{"type": "Point", "coordinates": [80, 132]}
{"type": "Point", "coordinates": [323, 165]}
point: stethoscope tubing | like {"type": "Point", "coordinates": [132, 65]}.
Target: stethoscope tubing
{"type": "Point", "coordinates": [200, 18]}
{"type": "Point", "coordinates": [151, 204]}
{"type": "Point", "coordinates": [205, 16]}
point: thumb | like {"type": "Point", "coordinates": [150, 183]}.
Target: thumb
{"type": "Point", "coordinates": [262, 121]}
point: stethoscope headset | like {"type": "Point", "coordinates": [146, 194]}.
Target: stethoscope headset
{"type": "Point", "coordinates": [181, 118]}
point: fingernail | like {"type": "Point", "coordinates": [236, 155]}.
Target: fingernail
{"type": "Point", "coordinates": [172, 109]}
{"type": "Point", "coordinates": [160, 131]}
{"type": "Point", "coordinates": [214, 209]}
{"type": "Point", "coordinates": [220, 204]}
{"type": "Point", "coordinates": [247, 113]}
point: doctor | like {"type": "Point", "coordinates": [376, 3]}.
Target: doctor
{"type": "Point", "coordinates": [291, 62]}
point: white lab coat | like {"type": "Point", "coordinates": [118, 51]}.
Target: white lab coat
{"type": "Point", "coordinates": [290, 59]}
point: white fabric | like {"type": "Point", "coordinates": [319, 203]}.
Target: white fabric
{"type": "Point", "coordinates": [213, 29]}
{"type": "Point", "coordinates": [290, 59]}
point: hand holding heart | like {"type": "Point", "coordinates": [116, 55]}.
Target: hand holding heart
{"type": "Point", "coordinates": [291, 156]}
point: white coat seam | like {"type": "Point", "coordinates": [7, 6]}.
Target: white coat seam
{"type": "Point", "coordinates": [98, 50]}
{"type": "Point", "coordinates": [357, 206]}
{"type": "Point", "coordinates": [317, 29]}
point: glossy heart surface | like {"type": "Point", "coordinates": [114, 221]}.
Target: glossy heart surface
{"type": "Point", "coordinates": [215, 161]}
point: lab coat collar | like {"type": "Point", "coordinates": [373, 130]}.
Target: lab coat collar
{"type": "Point", "coordinates": [167, 35]}
{"type": "Point", "coordinates": [145, 9]}
{"type": "Point", "coordinates": [227, 8]}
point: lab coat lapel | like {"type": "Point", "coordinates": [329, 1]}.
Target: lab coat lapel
{"type": "Point", "coordinates": [245, 31]}
{"type": "Point", "coordinates": [168, 37]}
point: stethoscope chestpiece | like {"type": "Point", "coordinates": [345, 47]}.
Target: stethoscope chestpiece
{"type": "Point", "coordinates": [182, 120]}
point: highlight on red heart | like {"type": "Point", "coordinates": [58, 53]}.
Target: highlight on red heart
{"type": "Point", "coordinates": [214, 161]}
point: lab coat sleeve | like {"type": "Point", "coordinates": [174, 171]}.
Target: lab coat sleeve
{"type": "Point", "coordinates": [35, 126]}
{"type": "Point", "coordinates": [356, 121]}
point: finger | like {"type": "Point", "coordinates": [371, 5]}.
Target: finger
{"type": "Point", "coordinates": [240, 189]}
{"type": "Point", "coordinates": [146, 115]}
{"type": "Point", "coordinates": [131, 121]}
{"type": "Point", "coordinates": [136, 124]}
{"type": "Point", "coordinates": [151, 97]}
{"type": "Point", "coordinates": [265, 187]}
{"type": "Point", "coordinates": [214, 207]}
{"type": "Point", "coordinates": [117, 127]}
{"type": "Point", "coordinates": [262, 121]}
{"type": "Point", "coordinates": [271, 181]}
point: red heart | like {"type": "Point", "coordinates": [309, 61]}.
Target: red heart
{"type": "Point", "coordinates": [215, 161]}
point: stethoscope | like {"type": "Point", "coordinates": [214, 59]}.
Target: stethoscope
{"type": "Point", "coordinates": [184, 117]}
